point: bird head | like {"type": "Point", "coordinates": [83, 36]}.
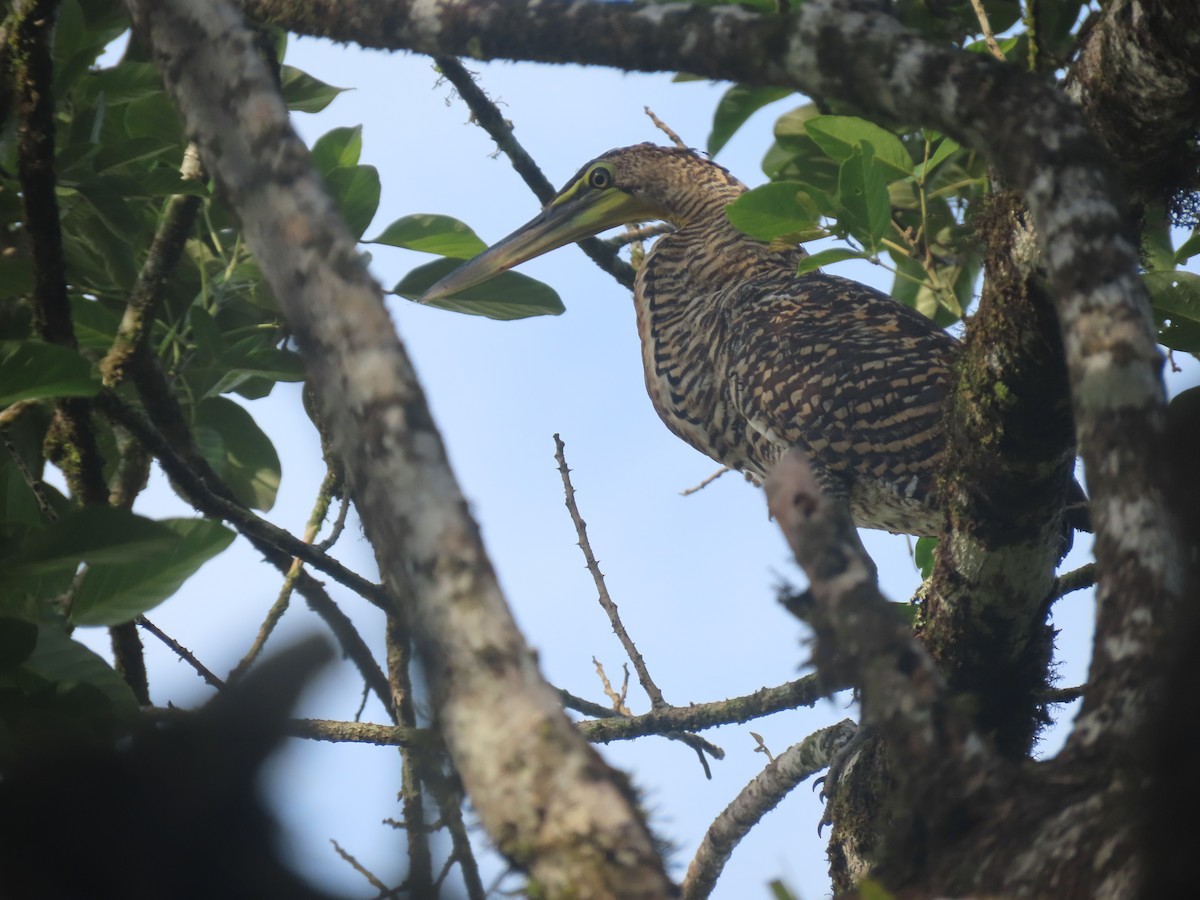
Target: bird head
{"type": "Point", "coordinates": [603, 194]}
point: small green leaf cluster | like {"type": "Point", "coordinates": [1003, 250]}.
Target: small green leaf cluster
{"type": "Point", "coordinates": [1174, 294]}
{"type": "Point", "coordinates": [899, 194]}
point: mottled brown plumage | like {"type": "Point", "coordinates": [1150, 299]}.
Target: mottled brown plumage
{"type": "Point", "coordinates": [744, 360]}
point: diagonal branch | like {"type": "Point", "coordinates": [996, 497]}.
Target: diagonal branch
{"type": "Point", "coordinates": [606, 601]}
{"type": "Point", "coordinates": [488, 117]}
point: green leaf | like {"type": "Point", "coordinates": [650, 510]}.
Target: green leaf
{"type": "Point", "coordinates": [738, 104]}
{"type": "Point", "coordinates": [64, 662]}
{"type": "Point", "coordinates": [509, 295]}
{"type": "Point", "coordinates": [120, 154]}
{"type": "Point", "coordinates": [356, 192]}
{"type": "Point", "coordinates": [827, 258]}
{"type": "Point", "coordinates": [945, 148]}
{"type": "Point", "coordinates": [154, 116]}
{"type": "Point", "coordinates": [91, 534]}
{"type": "Point", "coordinates": [838, 136]}
{"type": "Point", "coordinates": [123, 83]}
{"type": "Point", "coordinates": [336, 149]}
{"type": "Point", "coordinates": [33, 370]}
{"type": "Point", "coordinates": [95, 324]}
{"type": "Point", "coordinates": [248, 359]}
{"type": "Point", "coordinates": [432, 233]}
{"type": "Point", "coordinates": [782, 207]}
{"type": "Point", "coordinates": [239, 451]}
{"type": "Point", "coordinates": [304, 93]}
{"type": "Point", "coordinates": [16, 274]}
{"type": "Point", "coordinates": [1157, 251]}
{"type": "Point", "coordinates": [863, 193]}
{"type": "Point", "coordinates": [1175, 298]}
{"type": "Point", "coordinates": [1188, 249]}
{"type": "Point", "coordinates": [120, 592]}
{"type": "Point", "coordinates": [112, 207]}
{"type": "Point", "coordinates": [923, 555]}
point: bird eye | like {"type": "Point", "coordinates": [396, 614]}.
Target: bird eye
{"type": "Point", "coordinates": [599, 178]}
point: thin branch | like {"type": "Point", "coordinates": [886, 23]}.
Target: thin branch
{"type": "Point", "coordinates": [214, 502]}
{"type": "Point", "coordinates": [279, 607]}
{"type": "Point", "coordinates": [1063, 695]}
{"type": "Point", "coordinates": [182, 652]}
{"type": "Point", "coordinates": [609, 726]}
{"type": "Point", "coordinates": [1075, 580]}
{"type": "Point", "coordinates": [362, 870]}
{"type": "Point", "coordinates": [36, 486]}
{"type": "Point", "coordinates": [986, 28]}
{"type": "Point", "coordinates": [636, 233]}
{"type": "Point", "coordinates": [756, 799]}
{"type": "Point", "coordinates": [687, 492]}
{"type": "Point", "coordinates": [339, 524]}
{"type": "Point", "coordinates": [399, 661]}
{"type": "Point", "coordinates": [606, 601]}
{"type": "Point", "coordinates": [665, 129]}
{"type": "Point", "coordinates": [148, 292]}
{"type": "Point", "coordinates": [487, 116]}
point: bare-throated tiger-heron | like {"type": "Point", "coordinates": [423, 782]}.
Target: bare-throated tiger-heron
{"type": "Point", "coordinates": [743, 359]}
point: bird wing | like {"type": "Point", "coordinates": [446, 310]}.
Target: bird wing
{"type": "Point", "coordinates": [850, 375]}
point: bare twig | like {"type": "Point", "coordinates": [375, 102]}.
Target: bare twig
{"type": "Point", "coordinates": [420, 861]}
{"type": "Point", "coordinates": [148, 292]}
{"type": "Point", "coordinates": [1075, 580]}
{"type": "Point", "coordinates": [665, 129]}
{"type": "Point", "coordinates": [760, 796]}
{"type": "Point", "coordinates": [182, 652]}
{"type": "Point", "coordinates": [279, 607]}
{"type": "Point", "coordinates": [706, 482]}
{"type": "Point", "coordinates": [639, 665]}
{"type": "Point", "coordinates": [339, 524]}
{"type": "Point", "coordinates": [361, 869]}
{"type": "Point", "coordinates": [635, 233]}
{"type": "Point", "coordinates": [608, 726]}
{"type": "Point", "coordinates": [35, 485]}
{"type": "Point", "coordinates": [986, 27]}
{"type": "Point", "coordinates": [1063, 695]}
{"type": "Point", "coordinates": [617, 698]}
{"type": "Point", "coordinates": [199, 490]}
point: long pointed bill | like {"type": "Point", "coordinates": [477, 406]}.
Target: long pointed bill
{"type": "Point", "coordinates": [572, 217]}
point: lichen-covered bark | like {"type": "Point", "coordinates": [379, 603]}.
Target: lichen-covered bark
{"type": "Point", "coordinates": [546, 798]}
{"type": "Point", "coordinates": [1137, 79]}
{"type": "Point", "coordinates": [1010, 453]}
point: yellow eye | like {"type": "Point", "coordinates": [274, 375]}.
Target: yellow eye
{"type": "Point", "coordinates": [599, 178]}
